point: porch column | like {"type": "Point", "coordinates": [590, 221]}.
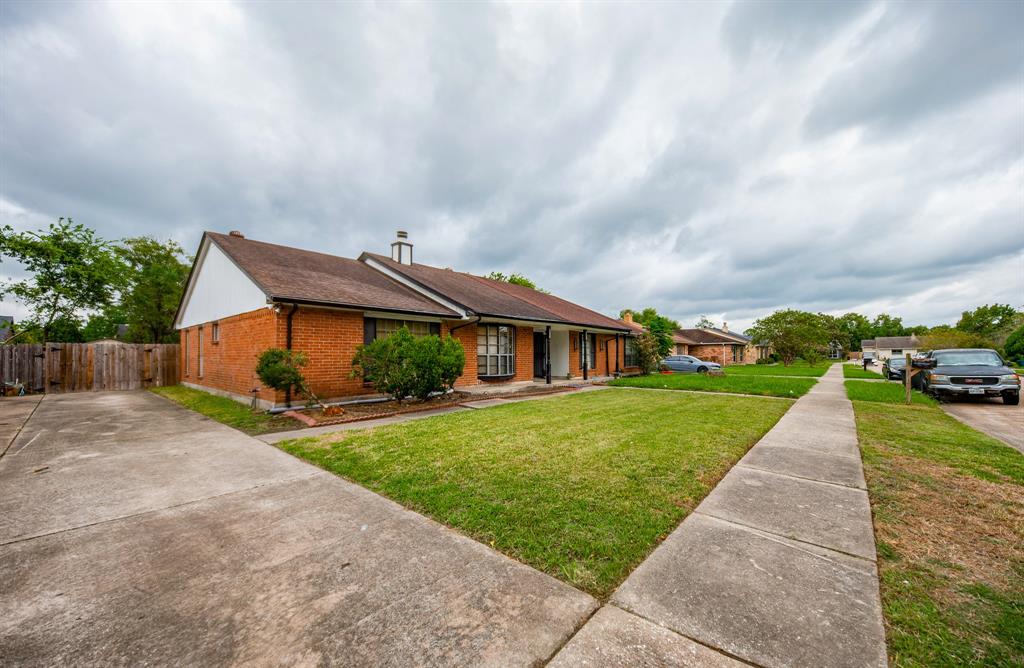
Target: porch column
{"type": "Point", "coordinates": [547, 354]}
{"type": "Point", "coordinates": [617, 369]}
{"type": "Point", "coordinates": [585, 349]}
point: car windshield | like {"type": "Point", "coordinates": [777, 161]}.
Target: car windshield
{"type": "Point", "coordinates": [897, 361]}
{"type": "Point", "coordinates": [968, 357]}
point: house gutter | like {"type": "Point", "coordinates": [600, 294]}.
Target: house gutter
{"type": "Point", "coordinates": [465, 324]}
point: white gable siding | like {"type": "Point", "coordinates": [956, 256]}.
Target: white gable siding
{"type": "Point", "coordinates": [219, 289]}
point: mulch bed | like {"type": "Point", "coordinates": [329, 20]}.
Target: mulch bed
{"type": "Point", "coordinates": [315, 417]}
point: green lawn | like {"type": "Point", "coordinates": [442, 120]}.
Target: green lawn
{"type": "Point", "coordinates": [765, 386]}
{"type": "Point", "coordinates": [798, 368]}
{"type": "Point", "coordinates": [851, 371]}
{"type": "Point", "coordinates": [948, 508]}
{"type": "Point", "coordinates": [890, 393]}
{"type": "Point", "coordinates": [581, 486]}
{"type": "Point", "coordinates": [227, 411]}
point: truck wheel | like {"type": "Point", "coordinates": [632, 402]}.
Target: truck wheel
{"type": "Point", "coordinates": [1011, 398]}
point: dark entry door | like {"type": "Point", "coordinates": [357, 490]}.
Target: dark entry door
{"type": "Point", "coordinates": [538, 355]}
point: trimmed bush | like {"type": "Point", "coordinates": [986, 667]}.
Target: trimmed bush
{"type": "Point", "coordinates": [281, 369]}
{"type": "Point", "coordinates": [402, 365]}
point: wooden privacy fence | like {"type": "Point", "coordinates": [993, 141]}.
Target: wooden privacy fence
{"type": "Point", "coordinates": [84, 367]}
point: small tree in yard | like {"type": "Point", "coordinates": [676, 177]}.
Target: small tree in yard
{"type": "Point", "coordinates": [402, 365]}
{"type": "Point", "coordinates": [792, 333]}
{"type": "Point", "coordinates": [281, 370]}
{"type": "Point", "coordinates": [648, 353]}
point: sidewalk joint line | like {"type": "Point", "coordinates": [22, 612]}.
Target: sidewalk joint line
{"type": "Point", "coordinates": [717, 650]}
{"type": "Point", "coordinates": [157, 510]}
{"type": "Point", "coordinates": [788, 538]}
{"type": "Point", "coordinates": [799, 477]}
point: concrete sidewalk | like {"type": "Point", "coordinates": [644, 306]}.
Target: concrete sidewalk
{"type": "Point", "coordinates": [776, 567]}
{"type": "Point", "coordinates": [135, 532]}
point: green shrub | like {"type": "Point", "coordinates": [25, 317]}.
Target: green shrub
{"type": "Point", "coordinates": [402, 365]}
{"type": "Point", "coordinates": [281, 369]}
{"type": "Point", "coordinates": [648, 353]}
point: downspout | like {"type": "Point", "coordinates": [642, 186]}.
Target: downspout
{"type": "Point", "coordinates": [288, 345]}
{"type": "Point", "coordinates": [547, 354]}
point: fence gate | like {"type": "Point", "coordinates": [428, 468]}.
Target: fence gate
{"type": "Point", "coordinates": [84, 367]}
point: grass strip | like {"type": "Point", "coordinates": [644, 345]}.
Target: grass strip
{"type": "Point", "coordinates": [851, 371]}
{"type": "Point", "coordinates": [226, 411]}
{"type": "Point", "coordinates": [798, 368]}
{"type": "Point", "coordinates": [888, 393]}
{"type": "Point", "coordinates": [757, 385]}
{"type": "Point", "coordinates": [948, 508]}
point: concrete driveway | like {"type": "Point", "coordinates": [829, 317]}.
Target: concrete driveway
{"type": "Point", "coordinates": [992, 417]}
{"type": "Point", "coordinates": [133, 531]}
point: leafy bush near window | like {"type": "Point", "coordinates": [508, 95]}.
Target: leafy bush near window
{"type": "Point", "coordinates": [281, 370]}
{"type": "Point", "coordinates": [402, 365]}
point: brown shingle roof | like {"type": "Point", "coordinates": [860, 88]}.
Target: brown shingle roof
{"type": "Point", "coordinates": [484, 296]}
{"type": "Point", "coordinates": [291, 274]}
{"type": "Point", "coordinates": [897, 342]}
{"type": "Point", "coordinates": [705, 336]}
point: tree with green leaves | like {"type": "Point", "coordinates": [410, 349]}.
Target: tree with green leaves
{"type": "Point", "coordinates": [662, 327]}
{"type": "Point", "coordinates": [854, 328]}
{"type": "Point", "coordinates": [515, 279]}
{"type": "Point", "coordinates": [155, 278]}
{"type": "Point", "coordinates": [945, 336]}
{"type": "Point", "coordinates": [705, 323]}
{"type": "Point", "coordinates": [887, 325]}
{"type": "Point", "coordinates": [1014, 347]}
{"type": "Point", "coordinates": [989, 320]}
{"type": "Point", "coordinates": [793, 334]}
{"type": "Point", "coordinates": [72, 270]}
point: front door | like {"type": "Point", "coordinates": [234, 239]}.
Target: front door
{"type": "Point", "coordinates": [538, 355]}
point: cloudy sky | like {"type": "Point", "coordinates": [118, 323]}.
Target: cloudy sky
{"type": "Point", "coordinates": [720, 159]}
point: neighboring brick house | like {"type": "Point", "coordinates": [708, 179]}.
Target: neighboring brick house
{"type": "Point", "coordinates": [720, 345]}
{"type": "Point", "coordinates": [245, 296]}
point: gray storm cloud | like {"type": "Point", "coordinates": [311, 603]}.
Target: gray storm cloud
{"type": "Point", "coordinates": [720, 159]}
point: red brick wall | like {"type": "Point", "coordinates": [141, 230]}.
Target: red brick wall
{"type": "Point", "coordinates": [722, 353]}
{"type": "Point", "coordinates": [330, 339]}
{"type": "Point", "coordinates": [230, 364]}
{"type": "Point", "coordinates": [467, 337]}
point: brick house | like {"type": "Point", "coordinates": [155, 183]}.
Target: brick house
{"type": "Point", "coordinates": [245, 296]}
{"type": "Point", "coordinates": [720, 345]}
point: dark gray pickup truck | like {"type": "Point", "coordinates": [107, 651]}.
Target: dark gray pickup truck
{"type": "Point", "coordinates": [967, 372]}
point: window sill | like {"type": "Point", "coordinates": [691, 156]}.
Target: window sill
{"type": "Point", "coordinates": [501, 376]}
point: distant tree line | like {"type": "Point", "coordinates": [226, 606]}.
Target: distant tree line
{"type": "Point", "coordinates": [82, 287]}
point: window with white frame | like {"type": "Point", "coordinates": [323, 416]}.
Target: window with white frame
{"type": "Point", "coordinates": [215, 332]}
{"type": "Point", "coordinates": [495, 350]}
{"type": "Point", "coordinates": [187, 351]}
